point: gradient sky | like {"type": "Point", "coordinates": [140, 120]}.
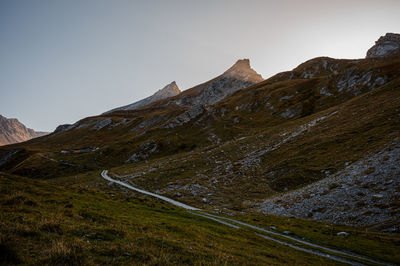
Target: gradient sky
{"type": "Point", "coordinates": [61, 61]}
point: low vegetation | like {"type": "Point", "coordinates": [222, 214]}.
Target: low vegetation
{"type": "Point", "coordinates": [43, 223]}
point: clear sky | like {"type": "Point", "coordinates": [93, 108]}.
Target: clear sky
{"type": "Point", "coordinates": [63, 60]}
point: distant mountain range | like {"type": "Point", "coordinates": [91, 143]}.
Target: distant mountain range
{"type": "Point", "coordinates": [320, 141]}
{"type": "Point", "coordinates": [13, 131]}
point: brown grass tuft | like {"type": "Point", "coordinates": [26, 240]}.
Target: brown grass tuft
{"type": "Point", "coordinates": [62, 253]}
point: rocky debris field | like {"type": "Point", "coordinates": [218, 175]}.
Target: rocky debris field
{"type": "Point", "coordinates": [369, 193]}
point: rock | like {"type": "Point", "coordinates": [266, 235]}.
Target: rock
{"type": "Point", "coordinates": [324, 91]}
{"type": "Point", "coordinates": [388, 45]}
{"type": "Point", "coordinates": [272, 227]}
{"type": "Point", "coordinates": [291, 112]}
{"type": "Point", "coordinates": [377, 196]}
{"type": "Point", "coordinates": [287, 232]}
{"type": "Point", "coordinates": [146, 150]}
{"type": "Point", "coordinates": [168, 91]}
{"type": "Point", "coordinates": [101, 123]}
{"type": "Point", "coordinates": [155, 120]}
{"type": "Point", "coordinates": [343, 234]}
{"type": "Point", "coordinates": [62, 128]}
{"type": "Point", "coordinates": [238, 77]}
{"type": "Point", "coordinates": [287, 97]}
{"type": "Point", "coordinates": [242, 69]}
{"type": "Point", "coordinates": [353, 201]}
{"type": "Point", "coordinates": [13, 131]}
{"type": "Point", "coordinates": [185, 117]}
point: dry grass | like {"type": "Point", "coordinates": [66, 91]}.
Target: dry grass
{"type": "Point", "coordinates": [51, 225]}
{"type": "Point", "coordinates": [119, 230]}
{"type": "Point", "coordinates": [62, 253]}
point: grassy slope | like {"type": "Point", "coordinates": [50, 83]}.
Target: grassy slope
{"type": "Point", "coordinates": [251, 106]}
{"type": "Point", "coordinates": [188, 155]}
{"type": "Point", "coordinates": [59, 218]}
{"type": "Point", "coordinates": [362, 125]}
{"type": "Point", "coordinates": [50, 224]}
{"type": "Point", "coordinates": [43, 223]}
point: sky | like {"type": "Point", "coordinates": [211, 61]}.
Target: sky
{"type": "Point", "coordinates": [64, 60]}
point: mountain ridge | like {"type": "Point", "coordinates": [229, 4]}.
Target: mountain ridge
{"type": "Point", "coordinates": [168, 91]}
{"type": "Point", "coordinates": [269, 138]}
{"type": "Point", "coordinates": [12, 131]}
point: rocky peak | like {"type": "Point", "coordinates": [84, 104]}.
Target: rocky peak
{"type": "Point", "coordinates": [12, 131]}
{"type": "Point", "coordinates": [168, 91]}
{"type": "Point", "coordinates": [388, 45]}
{"type": "Point", "coordinates": [242, 70]}
{"type": "Point", "coordinates": [237, 77]}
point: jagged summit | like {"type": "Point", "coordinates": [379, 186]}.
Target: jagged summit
{"type": "Point", "coordinates": [388, 45]}
{"type": "Point", "coordinates": [242, 70]}
{"type": "Point", "coordinates": [237, 77]}
{"type": "Point", "coordinates": [168, 91]}
{"type": "Point", "coordinates": [241, 64]}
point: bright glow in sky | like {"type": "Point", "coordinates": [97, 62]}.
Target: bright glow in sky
{"type": "Point", "coordinates": [61, 61]}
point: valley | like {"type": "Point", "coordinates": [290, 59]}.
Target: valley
{"type": "Point", "coordinates": [299, 168]}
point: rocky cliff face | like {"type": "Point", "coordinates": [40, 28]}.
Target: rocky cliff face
{"type": "Point", "coordinates": [168, 91]}
{"type": "Point", "coordinates": [242, 70]}
{"type": "Point", "coordinates": [388, 45]}
{"type": "Point", "coordinates": [13, 131]}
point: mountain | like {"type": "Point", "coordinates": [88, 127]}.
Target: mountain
{"type": "Point", "coordinates": [237, 77]}
{"type": "Point", "coordinates": [310, 154]}
{"type": "Point", "coordinates": [180, 108]}
{"type": "Point", "coordinates": [238, 143]}
{"type": "Point", "coordinates": [388, 45]}
{"type": "Point", "coordinates": [168, 91]}
{"type": "Point", "coordinates": [13, 131]}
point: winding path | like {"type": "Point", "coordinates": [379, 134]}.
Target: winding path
{"type": "Point", "coordinates": [333, 254]}
{"type": "Point", "coordinates": [174, 202]}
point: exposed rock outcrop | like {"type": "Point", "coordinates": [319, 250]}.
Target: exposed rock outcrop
{"type": "Point", "coordinates": [168, 91]}
{"type": "Point", "coordinates": [242, 70]}
{"type": "Point", "coordinates": [13, 131]}
{"type": "Point", "coordinates": [62, 128]}
{"type": "Point", "coordinates": [238, 77]}
{"type": "Point", "coordinates": [185, 117]}
{"type": "Point", "coordinates": [388, 45]}
{"type": "Point", "coordinates": [345, 76]}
